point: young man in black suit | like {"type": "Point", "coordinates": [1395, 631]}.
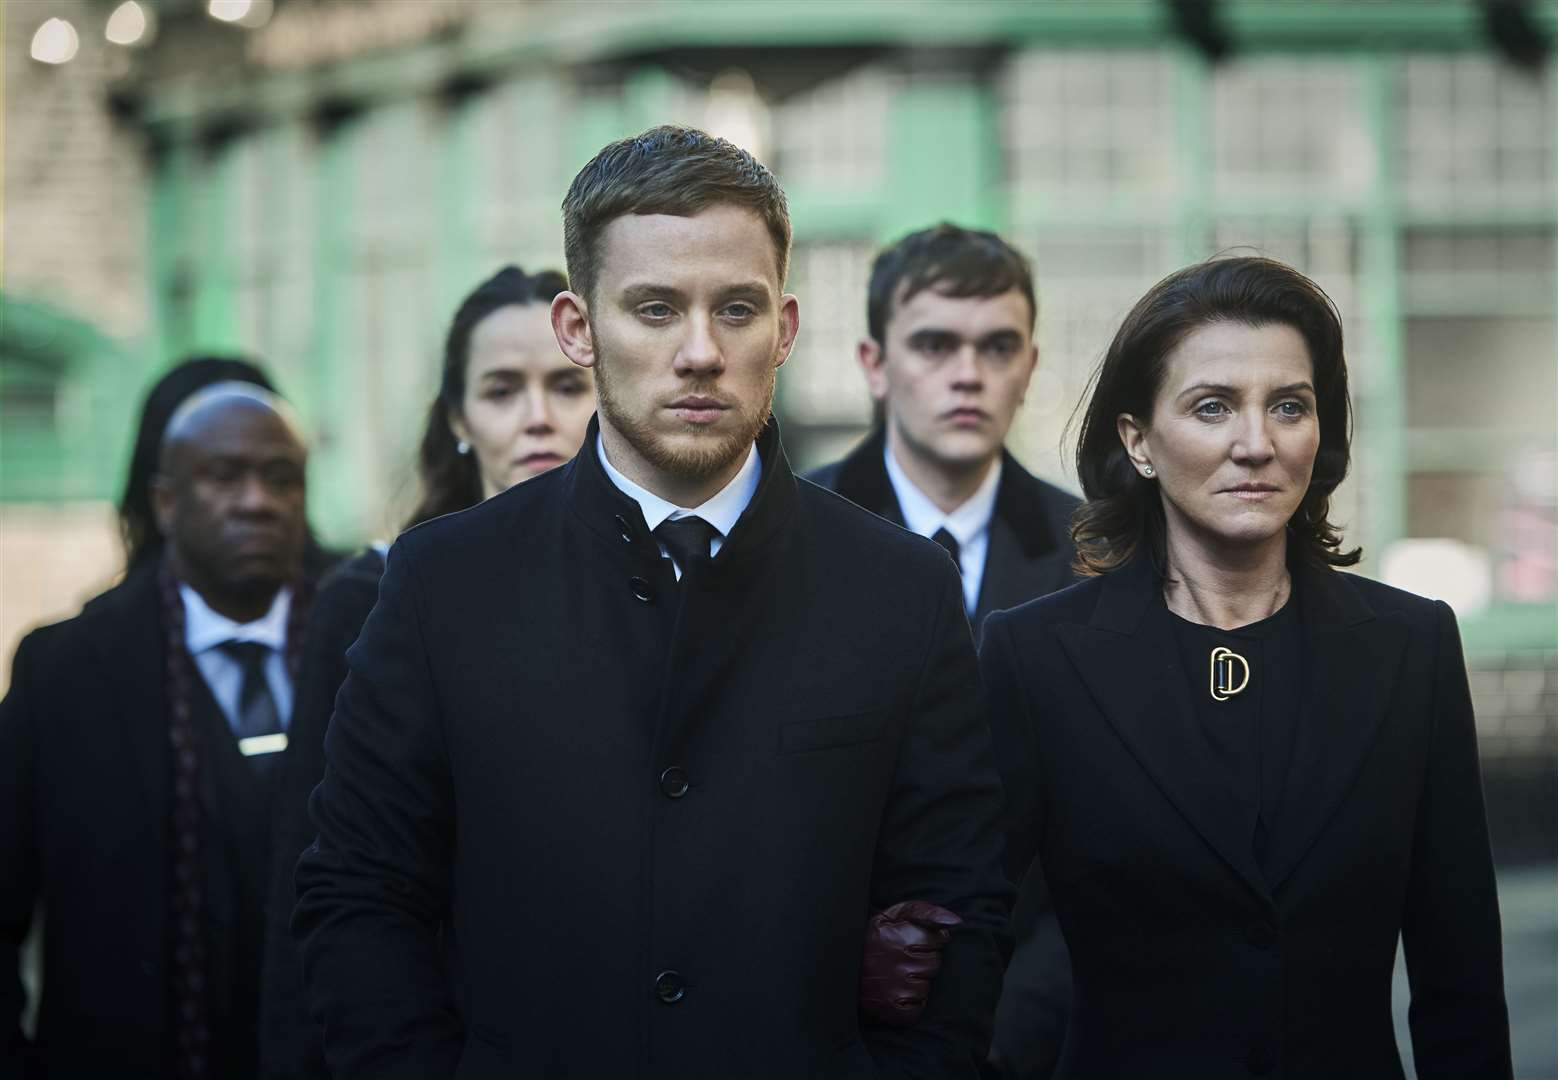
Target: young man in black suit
{"type": "Point", "coordinates": [139, 743]}
{"type": "Point", "coordinates": [950, 352]}
{"type": "Point", "coordinates": [627, 754]}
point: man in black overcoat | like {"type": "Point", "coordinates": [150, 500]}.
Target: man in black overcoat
{"type": "Point", "coordinates": [138, 745]}
{"type": "Point", "coordinates": [948, 358]}
{"type": "Point", "coordinates": [628, 754]}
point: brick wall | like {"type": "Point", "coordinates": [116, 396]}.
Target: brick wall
{"type": "Point", "coordinates": [73, 232]}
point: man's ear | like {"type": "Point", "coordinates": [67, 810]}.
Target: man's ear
{"type": "Point", "coordinates": [873, 361]}
{"type": "Point", "coordinates": [571, 326]}
{"type": "Point", "coordinates": [789, 326]}
{"type": "Point", "coordinates": [163, 498]}
{"type": "Point", "coordinates": [1133, 436]}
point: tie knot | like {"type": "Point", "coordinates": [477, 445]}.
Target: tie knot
{"type": "Point", "coordinates": [686, 538]}
{"type": "Point", "coordinates": [250, 655]}
{"type": "Point", "coordinates": [950, 542]}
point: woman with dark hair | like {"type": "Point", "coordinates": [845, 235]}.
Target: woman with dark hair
{"type": "Point", "coordinates": [1245, 774]}
{"type": "Point", "coordinates": [510, 406]}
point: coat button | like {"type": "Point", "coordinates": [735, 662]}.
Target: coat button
{"type": "Point", "coordinates": [669, 987]}
{"type": "Point", "coordinates": [623, 527]}
{"type": "Point", "coordinates": [1262, 935]}
{"type": "Point", "coordinates": [1260, 1060]}
{"type": "Point", "coordinates": [673, 782]}
{"type": "Point", "coordinates": [641, 589]}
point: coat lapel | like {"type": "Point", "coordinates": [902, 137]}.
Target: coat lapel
{"type": "Point", "coordinates": [130, 648]}
{"type": "Point", "coordinates": [1350, 665]}
{"type": "Point", "coordinates": [862, 478]}
{"type": "Point", "coordinates": [1129, 661]}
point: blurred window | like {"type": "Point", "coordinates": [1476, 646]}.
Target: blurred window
{"type": "Point", "coordinates": [822, 384]}
{"type": "Point", "coordinates": [834, 136]}
{"type": "Point", "coordinates": [1087, 279]}
{"type": "Point", "coordinates": [1456, 269]}
{"type": "Point", "coordinates": [1094, 126]}
{"type": "Point", "coordinates": [1474, 133]}
{"type": "Point", "coordinates": [515, 137]}
{"type": "Point", "coordinates": [1289, 128]}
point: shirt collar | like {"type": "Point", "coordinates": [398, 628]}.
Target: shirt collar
{"type": "Point", "coordinates": [205, 629]}
{"type": "Point", "coordinates": [922, 516]}
{"type": "Point", "coordinates": [721, 510]}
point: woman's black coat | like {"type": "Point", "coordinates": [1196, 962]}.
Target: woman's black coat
{"type": "Point", "coordinates": [1188, 961]}
{"type": "Point", "coordinates": [656, 815]}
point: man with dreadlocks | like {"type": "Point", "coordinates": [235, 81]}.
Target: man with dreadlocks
{"type": "Point", "coordinates": [139, 743]}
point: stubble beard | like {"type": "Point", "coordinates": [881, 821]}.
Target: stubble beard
{"type": "Point", "coordinates": [712, 453]}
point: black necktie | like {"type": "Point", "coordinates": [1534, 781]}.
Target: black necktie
{"type": "Point", "coordinates": [950, 542]}
{"type": "Point", "coordinates": [686, 538]}
{"type": "Point", "coordinates": [257, 712]}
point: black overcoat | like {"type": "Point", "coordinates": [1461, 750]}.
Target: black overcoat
{"type": "Point", "coordinates": [1188, 960]}
{"type": "Point", "coordinates": [1030, 554]}
{"type": "Point", "coordinates": [85, 804]}
{"type": "Point", "coordinates": [654, 816]}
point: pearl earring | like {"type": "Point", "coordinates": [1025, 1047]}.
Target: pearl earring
{"type": "Point", "coordinates": [1148, 471]}
{"type": "Point", "coordinates": [462, 447]}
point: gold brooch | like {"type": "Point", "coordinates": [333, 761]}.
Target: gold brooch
{"type": "Point", "coordinates": [1223, 661]}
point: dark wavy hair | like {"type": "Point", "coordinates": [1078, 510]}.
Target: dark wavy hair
{"type": "Point", "coordinates": [137, 522]}
{"type": "Point", "coordinates": [1123, 508]}
{"type": "Point", "coordinates": [451, 480]}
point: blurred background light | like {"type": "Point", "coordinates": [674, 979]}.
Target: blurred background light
{"type": "Point", "coordinates": [734, 111]}
{"type": "Point", "coordinates": [251, 14]}
{"type": "Point", "coordinates": [55, 42]}
{"type": "Point", "coordinates": [130, 24]}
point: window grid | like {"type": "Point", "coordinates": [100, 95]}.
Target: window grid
{"type": "Point", "coordinates": [1290, 128]}
{"type": "Point", "coordinates": [834, 136]}
{"type": "Point", "coordinates": [822, 383]}
{"type": "Point", "coordinates": [1474, 133]}
{"type": "Point", "coordinates": [1092, 125]}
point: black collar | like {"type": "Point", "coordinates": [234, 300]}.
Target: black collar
{"type": "Point", "coordinates": [1019, 500]}
{"type": "Point", "coordinates": [612, 514]}
{"type": "Point", "coordinates": [1328, 599]}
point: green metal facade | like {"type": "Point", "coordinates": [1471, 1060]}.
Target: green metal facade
{"type": "Point", "coordinates": [333, 230]}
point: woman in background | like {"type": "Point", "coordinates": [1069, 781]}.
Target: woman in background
{"type": "Point", "coordinates": [1245, 774]}
{"type": "Point", "coordinates": [510, 406]}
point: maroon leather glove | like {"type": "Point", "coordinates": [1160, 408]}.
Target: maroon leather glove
{"type": "Point", "coordinates": [902, 957]}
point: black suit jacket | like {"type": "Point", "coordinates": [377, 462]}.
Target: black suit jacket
{"type": "Point", "coordinates": [85, 799]}
{"type": "Point", "coordinates": [653, 815]}
{"type": "Point", "coordinates": [1030, 552]}
{"type": "Point", "coordinates": [1188, 960]}
{"type": "Point", "coordinates": [1030, 555]}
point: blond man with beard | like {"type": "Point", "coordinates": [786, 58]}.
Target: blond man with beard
{"type": "Point", "coordinates": [640, 744]}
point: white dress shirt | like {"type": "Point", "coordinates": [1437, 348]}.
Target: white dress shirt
{"type": "Point", "coordinates": [721, 510]}
{"type": "Point", "coordinates": [205, 630]}
{"type": "Point", "coordinates": [969, 524]}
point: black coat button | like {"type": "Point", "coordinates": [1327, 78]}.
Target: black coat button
{"type": "Point", "coordinates": [1260, 1060]}
{"type": "Point", "coordinates": [641, 589]}
{"type": "Point", "coordinates": [624, 528]}
{"type": "Point", "coordinates": [673, 782]}
{"type": "Point", "coordinates": [1262, 935]}
{"type": "Point", "coordinates": [669, 987]}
